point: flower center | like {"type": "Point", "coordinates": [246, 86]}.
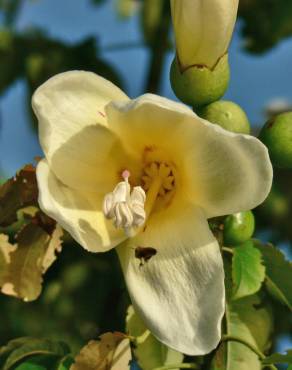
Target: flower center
{"type": "Point", "coordinates": [158, 180]}
{"type": "Point", "coordinates": [125, 207]}
{"type": "Point", "coordinates": [128, 208]}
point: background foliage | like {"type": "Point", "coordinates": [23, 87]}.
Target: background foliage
{"type": "Point", "coordinates": [83, 295]}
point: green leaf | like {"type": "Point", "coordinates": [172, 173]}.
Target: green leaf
{"type": "Point", "coordinates": [248, 273]}
{"type": "Point", "coordinates": [30, 366]}
{"type": "Point", "coordinates": [247, 319]}
{"type": "Point", "coordinates": [65, 363]}
{"type": "Point", "coordinates": [278, 273]}
{"type": "Point", "coordinates": [35, 347]}
{"type": "Point", "coordinates": [10, 347]}
{"type": "Point", "coordinates": [278, 358]}
{"type": "Point", "coordinates": [251, 322]}
{"type": "Point", "coordinates": [150, 353]}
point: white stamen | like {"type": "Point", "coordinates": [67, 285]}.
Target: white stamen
{"type": "Point", "coordinates": [124, 207]}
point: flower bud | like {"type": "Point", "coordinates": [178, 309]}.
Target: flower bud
{"type": "Point", "coordinates": [203, 30]}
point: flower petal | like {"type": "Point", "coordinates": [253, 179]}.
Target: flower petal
{"type": "Point", "coordinates": [70, 111]}
{"type": "Point", "coordinates": [220, 171]}
{"type": "Point", "coordinates": [179, 291]}
{"type": "Point", "coordinates": [78, 213]}
{"type": "Point", "coordinates": [232, 172]}
{"type": "Point", "coordinates": [203, 29]}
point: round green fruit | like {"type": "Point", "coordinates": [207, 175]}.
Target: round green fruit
{"type": "Point", "coordinates": [238, 228]}
{"type": "Point", "coordinates": [199, 85]}
{"type": "Point", "coordinates": [277, 136]}
{"type": "Point", "coordinates": [226, 114]}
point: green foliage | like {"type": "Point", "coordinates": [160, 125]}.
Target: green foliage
{"type": "Point", "coordinates": [278, 273]}
{"type": "Point", "coordinates": [265, 23]}
{"type": "Point", "coordinates": [38, 353]}
{"type": "Point", "coordinates": [278, 358]}
{"type": "Point", "coordinates": [248, 273]}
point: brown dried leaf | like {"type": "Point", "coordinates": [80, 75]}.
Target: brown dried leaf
{"type": "Point", "coordinates": [34, 253]}
{"type": "Point", "coordinates": [5, 249]}
{"type": "Point", "coordinates": [111, 352]}
{"type": "Point", "coordinates": [18, 192]}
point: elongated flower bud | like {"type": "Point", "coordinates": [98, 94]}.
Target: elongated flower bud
{"type": "Point", "coordinates": [203, 30]}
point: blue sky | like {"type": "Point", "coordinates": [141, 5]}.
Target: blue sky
{"type": "Point", "coordinates": [255, 80]}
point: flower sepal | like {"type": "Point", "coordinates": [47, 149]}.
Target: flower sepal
{"type": "Point", "coordinates": [198, 85]}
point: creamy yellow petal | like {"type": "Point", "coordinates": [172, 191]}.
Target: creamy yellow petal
{"type": "Point", "coordinates": [231, 172]}
{"type": "Point", "coordinates": [77, 212]}
{"type": "Point", "coordinates": [217, 170]}
{"type": "Point", "coordinates": [179, 292]}
{"type": "Point", "coordinates": [203, 30]}
{"type": "Point", "coordinates": [70, 111]}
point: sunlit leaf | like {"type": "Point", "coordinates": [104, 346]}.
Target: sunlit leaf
{"type": "Point", "coordinates": [248, 320]}
{"type": "Point", "coordinates": [278, 273]}
{"type": "Point", "coordinates": [111, 352]}
{"type": "Point", "coordinates": [5, 249]}
{"type": "Point", "coordinates": [149, 353]}
{"type": "Point", "coordinates": [248, 272]}
{"type": "Point", "coordinates": [34, 254]}
{"type": "Point", "coordinates": [278, 358]}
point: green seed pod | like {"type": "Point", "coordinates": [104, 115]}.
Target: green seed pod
{"type": "Point", "coordinates": [277, 136]}
{"type": "Point", "coordinates": [238, 228]}
{"type": "Point", "coordinates": [226, 114]}
{"type": "Point", "coordinates": [199, 85]}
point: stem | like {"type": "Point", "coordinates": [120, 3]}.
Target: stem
{"type": "Point", "coordinates": [158, 50]}
{"type": "Point", "coordinates": [143, 337]}
{"type": "Point", "coordinates": [139, 340]}
{"type": "Point", "coordinates": [228, 250]}
{"type": "Point", "coordinates": [233, 338]}
{"type": "Point", "coordinates": [177, 366]}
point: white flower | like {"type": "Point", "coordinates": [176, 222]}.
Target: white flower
{"type": "Point", "coordinates": [94, 137]}
{"type": "Point", "coordinates": [203, 30]}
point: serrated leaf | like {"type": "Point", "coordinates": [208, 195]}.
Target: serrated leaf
{"type": "Point", "coordinates": [35, 347]}
{"type": "Point", "coordinates": [248, 272]}
{"type": "Point", "coordinates": [278, 273]}
{"type": "Point", "coordinates": [111, 352]}
{"type": "Point", "coordinates": [18, 192]}
{"type": "Point", "coordinates": [33, 255]}
{"type": "Point", "coordinates": [150, 353]}
{"type": "Point", "coordinates": [248, 320]}
{"type": "Point", "coordinates": [278, 358]}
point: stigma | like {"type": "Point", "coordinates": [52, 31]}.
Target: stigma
{"type": "Point", "coordinates": [125, 206]}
